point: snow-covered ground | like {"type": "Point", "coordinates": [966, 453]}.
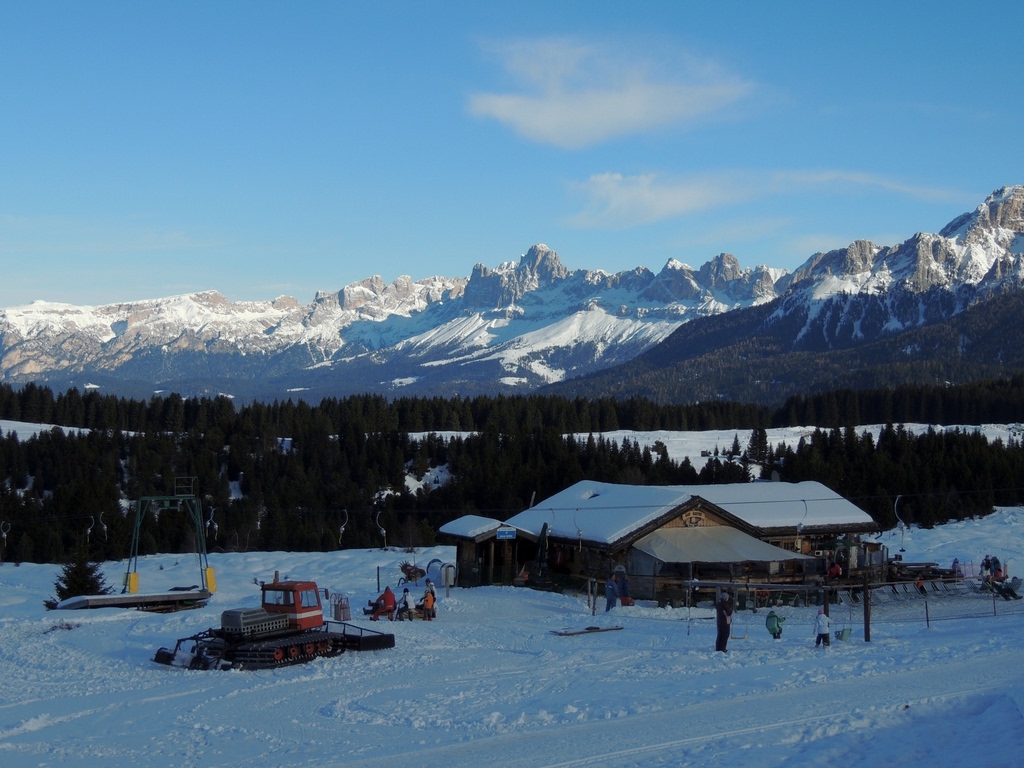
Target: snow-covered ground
{"type": "Point", "coordinates": [26, 430]}
{"type": "Point", "coordinates": [700, 446]}
{"type": "Point", "coordinates": [697, 446]}
{"type": "Point", "coordinates": [489, 684]}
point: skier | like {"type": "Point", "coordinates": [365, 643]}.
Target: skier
{"type": "Point", "coordinates": [821, 628]}
{"type": "Point", "coordinates": [774, 625]}
{"type": "Point", "coordinates": [723, 620]}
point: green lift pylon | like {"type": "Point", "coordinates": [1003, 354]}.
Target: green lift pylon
{"type": "Point", "coordinates": [184, 499]}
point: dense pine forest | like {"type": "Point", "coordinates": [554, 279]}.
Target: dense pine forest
{"type": "Point", "coordinates": [295, 476]}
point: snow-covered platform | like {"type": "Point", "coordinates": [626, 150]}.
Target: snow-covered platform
{"type": "Point", "coordinates": [160, 602]}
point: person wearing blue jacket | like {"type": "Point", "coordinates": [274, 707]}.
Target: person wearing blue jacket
{"type": "Point", "coordinates": [611, 592]}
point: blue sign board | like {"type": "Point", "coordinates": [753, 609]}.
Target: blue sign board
{"type": "Point", "coordinates": [506, 533]}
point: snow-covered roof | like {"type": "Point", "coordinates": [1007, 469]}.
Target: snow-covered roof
{"type": "Point", "coordinates": [785, 505]}
{"type": "Point", "coordinates": [475, 527]}
{"type": "Point", "coordinates": [470, 526]}
{"type": "Point", "coordinates": [605, 513]}
{"type": "Point", "coordinates": [600, 512]}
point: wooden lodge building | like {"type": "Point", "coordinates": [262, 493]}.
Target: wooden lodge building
{"type": "Point", "coordinates": [666, 535]}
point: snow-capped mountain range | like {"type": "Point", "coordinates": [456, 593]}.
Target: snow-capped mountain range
{"type": "Point", "coordinates": [509, 329]}
{"type": "Point", "coordinates": [862, 292]}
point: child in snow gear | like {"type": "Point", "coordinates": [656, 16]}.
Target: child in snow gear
{"type": "Point", "coordinates": [774, 625]}
{"type": "Point", "coordinates": [821, 628]}
{"type": "Point", "coordinates": [723, 619]}
{"type": "Point", "coordinates": [428, 605]}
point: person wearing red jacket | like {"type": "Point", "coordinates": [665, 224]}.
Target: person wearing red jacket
{"type": "Point", "coordinates": [383, 605]}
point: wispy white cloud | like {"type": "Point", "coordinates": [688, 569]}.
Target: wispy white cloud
{"type": "Point", "coordinates": [575, 95]}
{"type": "Point", "coordinates": [616, 201]}
{"type": "Point", "coordinates": [854, 179]}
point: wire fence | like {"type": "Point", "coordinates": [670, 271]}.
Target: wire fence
{"type": "Point", "coordinates": [901, 603]}
{"type": "Point", "coordinates": [932, 601]}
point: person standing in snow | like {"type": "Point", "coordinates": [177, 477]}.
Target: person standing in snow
{"type": "Point", "coordinates": [622, 584]}
{"type": "Point", "coordinates": [723, 621]}
{"type": "Point", "coordinates": [821, 628]}
{"type": "Point", "coordinates": [611, 592]}
{"type": "Point", "coordinates": [427, 606]}
{"type": "Point", "coordinates": [774, 625]}
{"type": "Point", "coordinates": [433, 593]}
{"type": "Point", "coordinates": [405, 605]}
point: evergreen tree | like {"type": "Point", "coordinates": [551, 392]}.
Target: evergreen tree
{"type": "Point", "coordinates": [757, 448]}
{"type": "Point", "coordinates": [79, 577]}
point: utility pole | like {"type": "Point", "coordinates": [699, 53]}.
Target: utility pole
{"type": "Point", "coordinates": [867, 610]}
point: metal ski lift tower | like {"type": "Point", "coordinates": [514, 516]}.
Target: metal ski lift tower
{"type": "Point", "coordinates": [903, 526]}
{"type": "Point", "coordinates": [184, 499]}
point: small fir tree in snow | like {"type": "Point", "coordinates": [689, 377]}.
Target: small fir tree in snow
{"type": "Point", "coordinates": [735, 450]}
{"type": "Point", "coordinates": [79, 577]}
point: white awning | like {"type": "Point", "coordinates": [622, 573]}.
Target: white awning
{"type": "Point", "coordinates": [711, 544]}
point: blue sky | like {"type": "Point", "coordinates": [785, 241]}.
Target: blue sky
{"type": "Point", "coordinates": [260, 149]}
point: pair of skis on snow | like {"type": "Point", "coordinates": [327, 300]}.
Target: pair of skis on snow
{"type": "Point", "coordinates": [584, 631]}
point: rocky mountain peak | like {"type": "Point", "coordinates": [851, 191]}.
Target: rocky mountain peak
{"type": "Point", "coordinates": [720, 271]}
{"type": "Point", "coordinates": [856, 258]}
{"type": "Point", "coordinates": [543, 264]}
{"type": "Point", "coordinates": [1002, 210]}
{"type": "Point", "coordinates": [538, 267]}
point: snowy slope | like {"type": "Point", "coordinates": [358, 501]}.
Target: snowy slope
{"type": "Point", "coordinates": [487, 683]}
